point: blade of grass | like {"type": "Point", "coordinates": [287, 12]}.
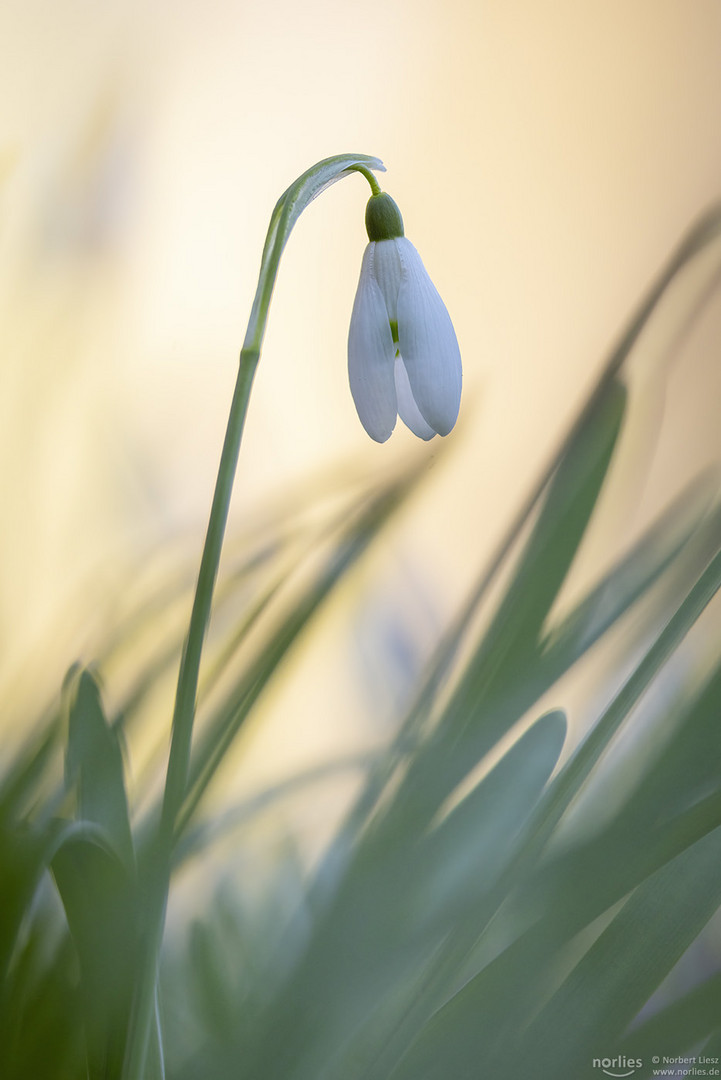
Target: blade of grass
{"type": "Point", "coordinates": [460, 860]}
{"type": "Point", "coordinates": [394, 910]}
{"type": "Point", "coordinates": [568, 783]}
{"type": "Point", "coordinates": [509, 645]}
{"type": "Point", "coordinates": [625, 965]}
{"type": "Point", "coordinates": [194, 841]}
{"type": "Point", "coordinates": [473, 1032]}
{"type": "Point", "coordinates": [562, 646]}
{"type": "Point", "coordinates": [230, 717]}
{"type": "Point", "coordinates": [94, 763]}
{"type": "Point", "coordinates": [677, 1029]}
{"type": "Point", "coordinates": [98, 893]}
{"type": "Point", "coordinates": [553, 805]}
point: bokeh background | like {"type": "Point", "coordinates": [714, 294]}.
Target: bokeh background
{"type": "Point", "coordinates": [546, 155]}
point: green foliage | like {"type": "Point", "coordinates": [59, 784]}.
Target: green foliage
{"type": "Point", "coordinates": [472, 915]}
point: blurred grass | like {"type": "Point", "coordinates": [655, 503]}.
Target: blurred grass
{"type": "Point", "coordinates": [455, 925]}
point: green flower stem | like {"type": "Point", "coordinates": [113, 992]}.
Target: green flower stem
{"type": "Point", "coordinates": [154, 890]}
{"type": "Point", "coordinates": [185, 700]}
{"type": "Point", "coordinates": [375, 186]}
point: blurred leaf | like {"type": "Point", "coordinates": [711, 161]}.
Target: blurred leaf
{"type": "Point", "coordinates": [712, 1048]}
{"type": "Point", "coordinates": [239, 589]}
{"type": "Point", "coordinates": [612, 982]}
{"type": "Point", "coordinates": [677, 1029]}
{"type": "Point", "coordinates": [217, 735]}
{"type": "Point", "coordinates": [395, 907]}
{"type": "Point", "coordinates": [571, 778]}
{"type": "Point", "coordinates": [99, 897]}
{"type": "Point", "coordinates": [463, 855]}
{"type": "Point", "coordinates": [600, 998]}
{"type": "Point", "coordinates": [703, 233]}
{"type": "Point", "coordinates": [24, 851]}
{"type": "Point", "coordinates": [677, 801]}
{"type": "Point", "coordinates": [457, 865]}
{"type": "Point", "coordinates": [630, 578]}
{"type": "Point", "coordinates": [23, 776]}
{"type": "Point", "coordinates": [93, 866]}
{"type": "Point", "coordinates": [563, 645]}
{"type": "Point", "coordinates": [25, 848]}
{"type": "Point", "coordinates": [687, 769]}
{"type": "Point", "coordinates": [94, 762]}
{"type": "Point", "coordinates": [513, 636]}
{"type": "Point", "coordinates": [531, 955]}
{"type": "Point", "coordinates": [566, 785]}
{"type": "Point", "coordinates": [42, 1036]}
{"type": "Point", "coordinates": [214, 995]}
{"type": "Point", "coordinates": [476, 716]}
{"type": "Point", "coordinates": [201, 837]}
{"type": "Point", "coordinates": [497, 1002]}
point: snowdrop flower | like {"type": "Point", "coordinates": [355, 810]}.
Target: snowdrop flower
{"type": "Point", "coordinates": [403, 356]}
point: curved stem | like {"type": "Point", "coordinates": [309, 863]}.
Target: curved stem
{"type": "Point", "coordinates": [155, 884]}
{"type": "Point", "coordinates": [375, 186]}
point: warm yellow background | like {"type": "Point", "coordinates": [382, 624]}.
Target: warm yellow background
{"type": "Point", "coordinates": [546, 155]}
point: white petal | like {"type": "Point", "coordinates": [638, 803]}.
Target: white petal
{"type": "Point", "coordinates": [370, 356]}
{"type": "Point", "coordinates": [386, 269]}
{"type": "Point", "coordinates": [428, 343]}
{"type": "Point", "coordinates": [407, 408]}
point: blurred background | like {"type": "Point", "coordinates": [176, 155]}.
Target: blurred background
{"type": "Point", "coordinates": [546, 156]}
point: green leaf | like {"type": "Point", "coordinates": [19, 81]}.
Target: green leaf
{"type": "Point", "coordinates": [609, 986]}
{"type": "Point", "coordinates": [214, 992]}
{"type": "Point", "coordinates": [94, 762]}
{"type": "Point", "coordinates": [486, 701]}
{"type": "Point", "coordinates": [686, 770]}
{"type": "Point", "coordinates": [497, 1002]}
{"type": "Point", "coordinates": [677, 1029]}
{"type": "Point", "coordinates": [570, 780]}
{"type": "Point", "coordinates": [566, 511]}
{"type": "Point", "coordinates": [24, 775]}
{"type": "Point", "coordinates": [676, 803]}
{"type": "Point", "coordinates": [564, 788]}
{"type": "Point", "coordinates": [630, 578]}
{"type": "Point", "coordinates": [24, 851]}
{"type": "Point", "coordinates": [461, 858]}
{"type": "Point", "coordinates": [595, 1004]}
{"type": "Point", "coordinates": [94, 870]}
{"type": "Point", "coordinates": [562, 646]}
{"type": "Point", "coordinates": [497, 991]}
{"type": "Point", "coordinates": [99, 897]}
{"type": "Point", "coordinates": [41, 1037]}
{"type": "Point", "coordinates": [394, 910]}
{"type": "Point", "coordinates": [457, 865]}
{"type": "Point", "coordinates": [712, 1048]}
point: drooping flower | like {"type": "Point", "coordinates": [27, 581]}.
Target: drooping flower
{"type": "Point", "coordinates": [403, 356]}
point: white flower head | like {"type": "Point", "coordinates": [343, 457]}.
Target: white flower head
{"type": "Point", "coordinates": [403, 356]}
